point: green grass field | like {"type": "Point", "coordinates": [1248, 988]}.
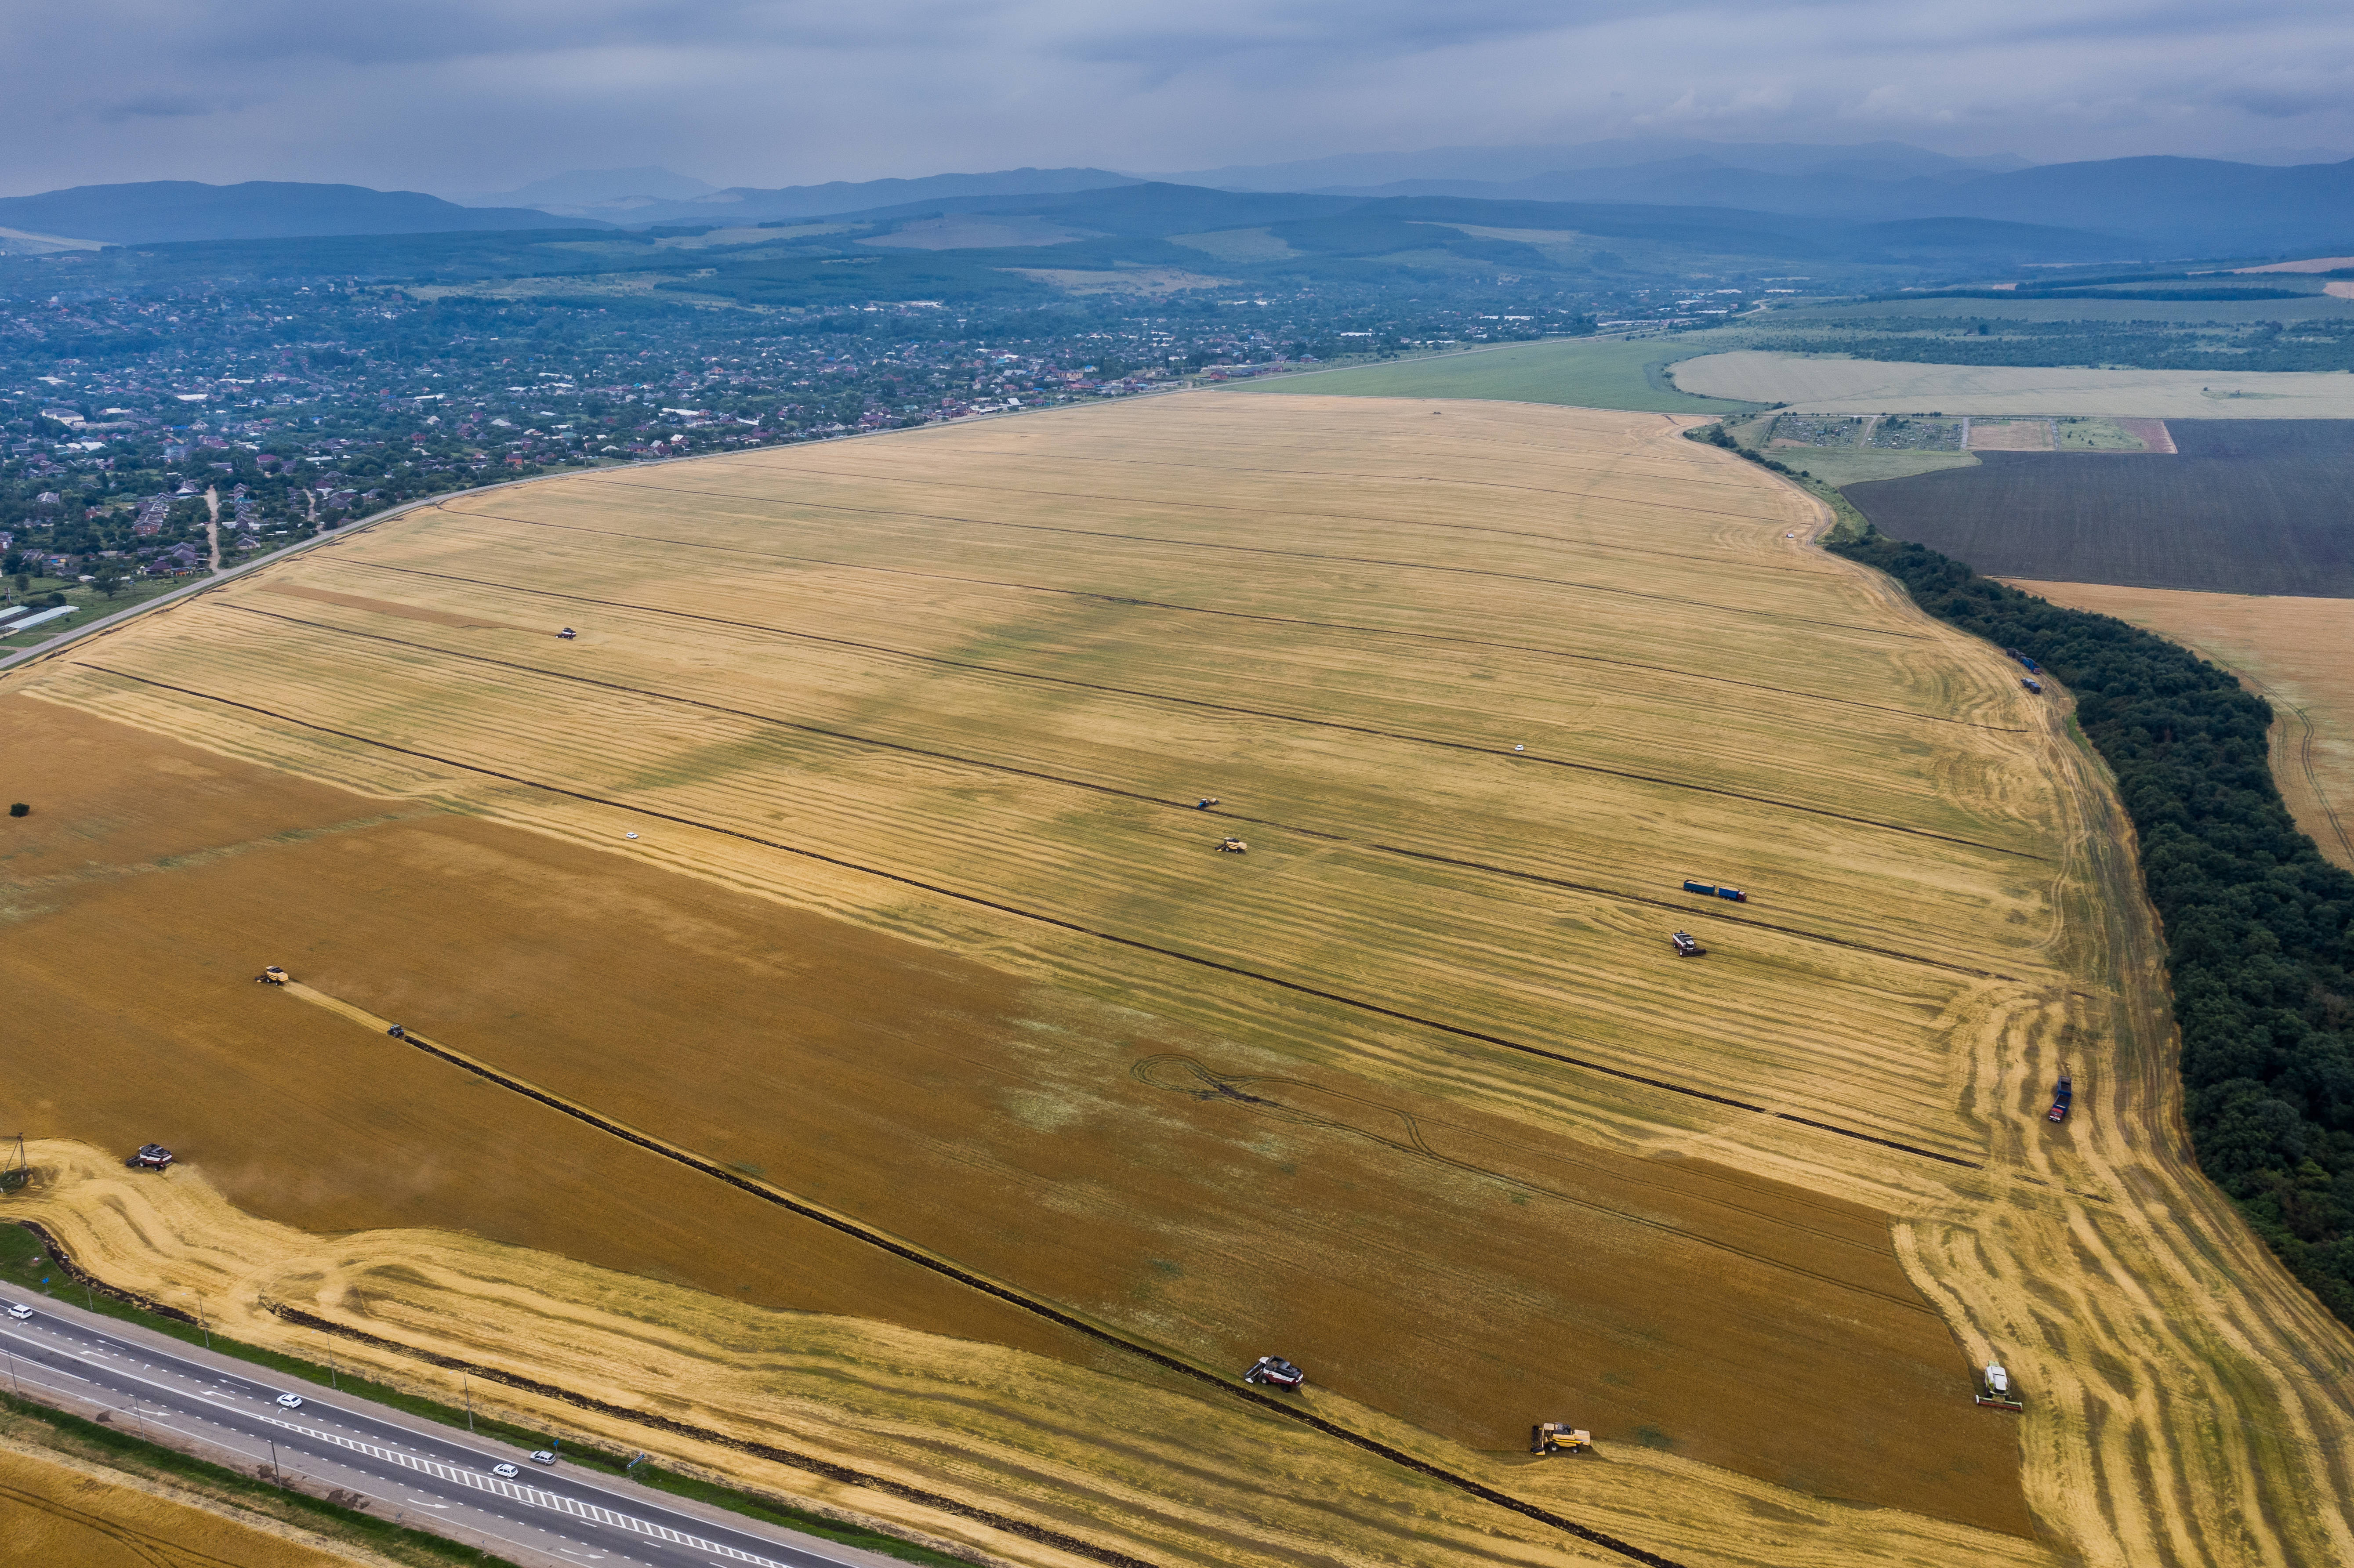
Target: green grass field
{"type": "Point", "coordinates": [1585, 372]}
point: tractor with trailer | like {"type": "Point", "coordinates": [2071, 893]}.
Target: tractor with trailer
{"type": "Point", "coordinates": [1685, 946]}
{"type": "Point", "coordinates": [1275, 1373]}
{"type": "Point", "coordinates": [1559, 1437]}
{"type": "Point", "coordinates": [2034, 686]}
{"type": "Point", "coordinates": [1710, 890]}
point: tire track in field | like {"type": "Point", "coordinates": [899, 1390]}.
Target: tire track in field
{"type": "Point", "coordinates": [1270, 550]}
{"type": "Point", "coordinates": [1239, 615]}
{"type": "Point", "coordinates": [2313, 782]}
{"type": "Point", "coordinates": [923, 1257]}
{"type": "Point", "coordinates": [1372, 1009]}
{"type": "Point", "coordinates": [984, 765]}
{"type": "Point", "coordinates": [1207, 706]}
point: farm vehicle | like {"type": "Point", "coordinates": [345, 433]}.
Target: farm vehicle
{"type": "Point", "coordinates": [1996, 1392]}
{"type": "Point", "coordinates": [1275, 1373]}
{"type": "Point", "coordinates": [1559, 1437]}
{"type": "Point", "coordinates": [1710, 890]}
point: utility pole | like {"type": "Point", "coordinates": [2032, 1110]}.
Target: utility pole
{"type": "Point", "coordinates": [139, 1414]}
{"type": "Point", "coordinates": [13, 1381]}
{"type": "Point", "coordinates": [331, 1373]}
{"type": "Point", "coordinates": [203, 1322]}
{"type": "Point", "coordinates": [467, 1383]}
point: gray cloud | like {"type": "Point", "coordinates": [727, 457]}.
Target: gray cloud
{"type": "Point", "coordinates": [460, 95]}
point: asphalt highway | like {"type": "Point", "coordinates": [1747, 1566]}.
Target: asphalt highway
{"type": "Point", "coordinates": [424, 1476]}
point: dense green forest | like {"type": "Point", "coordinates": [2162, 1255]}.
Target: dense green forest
{"type": "Point", "coordinates": [2259, 927]}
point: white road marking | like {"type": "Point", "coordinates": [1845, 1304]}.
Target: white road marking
{"type": "Point", "coordinates": [531, 1496]}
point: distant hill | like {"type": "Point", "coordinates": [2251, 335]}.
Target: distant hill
{"type": "Point", "coordinates": [1138, 209]}
{"type": "Point", "coordinates": [161, 210]}
{"type": "Point", "coordinates": [1349, 225]}
{"type": "Point", "coordinates": [748, 204]}
{"type": "Point", "coordinates": [1356, 171]}
{"type": "Point", "coordinates": [583, 188]}
{"type": "Point", "coordinates": [2166, 207]}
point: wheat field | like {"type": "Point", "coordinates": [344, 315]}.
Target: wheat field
{"type": "Point", "coordinates": [2298, 652]}
{"type": "Point", "coordinates": [927, 721]}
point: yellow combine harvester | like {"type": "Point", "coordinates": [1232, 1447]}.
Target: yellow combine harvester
{"type": "Point", "coordinates": [1559, 1437]}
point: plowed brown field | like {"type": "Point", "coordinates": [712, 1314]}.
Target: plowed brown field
{"type": "Point", "coordinates": [921, 923]}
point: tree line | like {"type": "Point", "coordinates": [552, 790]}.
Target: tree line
{"type": "Point", "coordinates": [2259, 926]}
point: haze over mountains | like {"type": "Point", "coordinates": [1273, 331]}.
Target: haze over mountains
{"type": "Point", "coordinates": [2126, 209]}
{"type": "Point", "coordinates": [637, 196]}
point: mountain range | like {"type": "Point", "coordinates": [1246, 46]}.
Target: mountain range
{"type": "Point", "coordinates": [2177, 206]}
{"type": "Point", "coordinates": [2146, 209]}
{"type": "Point", "coordinates": [1354, 171]}
{"type": "Point", "coordinates": [636, 197]}
{"type": "Point", "coordinates": [152, 211]}
{"type": "Point", "coordinates": [2159, 207]}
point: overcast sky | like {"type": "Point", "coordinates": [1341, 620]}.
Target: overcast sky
{"type": "Point", "coordinates": [461, 96]}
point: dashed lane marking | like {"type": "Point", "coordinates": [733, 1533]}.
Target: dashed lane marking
{"type": "Point", "coordinates": [530, 1495]}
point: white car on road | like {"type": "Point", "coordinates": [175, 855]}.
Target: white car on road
{"type": "Point", "coordinates": [543, 1457]}
{"type": "Point", "coordinates": [505, 1472]}
{"type": "Point", "coordinates": [290, 1401]}
{"type": "Point", "coordinates": [18, 1310]}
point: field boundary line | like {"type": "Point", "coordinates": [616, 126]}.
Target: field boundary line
{"type": "Point", "coordinates": [1529, 649]}
{"type": "Point", "coordinates": [924, 1257]}
{"type": "Point", "coordinates": [903, 748]}
{"type": "Point", "coordinates": [1135, 944]}
{"type": "Point", "coordinates": [1208, 707]}
{"type": "Point", "coordinates": [1268, 550]}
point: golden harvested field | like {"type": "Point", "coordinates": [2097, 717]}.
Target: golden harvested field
{"type": "Point", "coordinates": [921, 926]}
{"type": "Point", "coordinates": [55, 1511]}
{"type": "Point", "coordinates": [2298, 652]}
{"type": "Point", "coordinates": [1873, 387]}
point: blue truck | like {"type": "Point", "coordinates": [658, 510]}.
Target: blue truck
{"type": "Point", "coordinates": [1709, 889]}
